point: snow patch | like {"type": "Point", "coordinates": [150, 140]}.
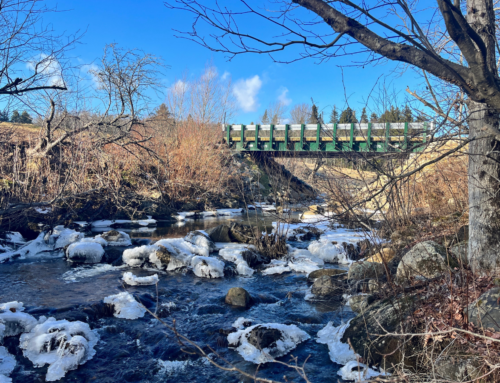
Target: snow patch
{"type": "Point", "coordinates": [134, 280]}
{"type": "Point", "coordinates": [13, 321]}
{"type": "Point", "coordinates": [233, 254]}
{"type": "Point", "coordinates": [359, 372]}
{"type": "Point", "coordinates": [85, 252]}
{"type": "Point", "coordinates": [61, 344]}
{"type": "Point", "coordinates": [329, 252]}
{"type": "Point", "coordinates": [207, 267]}
{"type": "Point", "coordinates": [241, 323]}
{"type": "Point", "coordinates": [125, 306]}
{"type": "Point", "coordinates": [339, 352]}
{"type": "Point", "coordinates": [291, 336]}
{"type": "Point", "coordinates": [276, 267]}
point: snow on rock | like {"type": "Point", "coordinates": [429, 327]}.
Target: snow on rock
{"type": "Point", "coordinates": [96, 239]}
{"type": "Point", "coordinates": [303, 261]}
{"type": "Point", "coordinates": [125, 306]}
{"type": "Point", "coordinates": [7, 364]}
{"type": "Point", "coordinates": [241, 323]}
{"type": "Point", "coordinates": [182, 215]}
{"type": "Point", "coordinates": [61, 344]}
{"type": "Point", "coordinates": [14, 237]}
{"type": "Point", "coordinates": [115, 238]}
{"type": "Point", "coordinates": [62, 237]}
{"type": "Point", "coordinates": [207, 267]}
{"type": "Point", "coordinates": [280, 340]}
{"type": "Point", "coordinates": [339, 352]}
{"type": "Point", "coordinates": [138, 256]}
{"type": "Point", "coordinates": [329, 251]}
{"type": "Point", "coordinates": [358, 372]}
{"type": "Point", "coordinates": [183, 246]}
{"type": "Point", "coordinates": [202, 240]}
{"type": "Point", "coordinates": [234, 253]}
{"type": "Point", "coordinates": [134, 280]}
{"type": "Point", "coordinates": [5, 248]}
{"type": "Point", "coordinates": [85, 252]}
{"type": "Point", "coordinates": [13, 321]}
{"type": "Point", "coordinates": [276, 267]}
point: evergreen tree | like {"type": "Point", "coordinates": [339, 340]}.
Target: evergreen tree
{"type": "Point", "coordinates": [364, 117]}
{"type": "Point", "coordinates": [314, 117]}
{"type": "Point", "coordinates": [15, 116]}
{"type": "Point", "coordinates": [264, 119]}
{"type": "Point", "coordinates": [4, 116]}
{"type": "Point", "coordinates": [274, 119]}
{"type": "Point", "coordinates": [162, 111]}
{"type": "Point", "coordinates": [393, 114]}
{"type": "Point", "coordinates": [334, 116]}
{"type": "Point", "coordinates": [373, 117]}
{"type": "Point", "coordinates": [348, 116]}
{"type": "Point", "coordinates": [25, 118]}
{"type": "Point", "coordinates": [407, 114]}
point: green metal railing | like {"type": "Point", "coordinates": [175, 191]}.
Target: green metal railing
{"type": "Point", "coordinates": [369, 137]}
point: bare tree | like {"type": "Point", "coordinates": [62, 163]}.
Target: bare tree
{"type": "Point", "coordinates": [300, 113]}
{"type": "Point", "coordinates": [32, 56]}
{"type": "Point", "coordinates": [276, 112]}
{"type": "Point", "coordinates": [455, 43]}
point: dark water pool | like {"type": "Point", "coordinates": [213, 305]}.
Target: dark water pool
{"type": "Point", "coordinates": [143, 350]}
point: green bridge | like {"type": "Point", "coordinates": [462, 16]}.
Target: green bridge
{"type": "Point", "coordinates": [331, 140]}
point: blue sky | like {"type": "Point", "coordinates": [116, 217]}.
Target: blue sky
{"type": "Point", "coordinates": [149, 25]}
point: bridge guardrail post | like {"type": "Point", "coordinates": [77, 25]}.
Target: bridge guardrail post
{"type": "Point", "coordinates": [302, 127]}
{"type": "Point", "coordinates": [405, 147]}
{"type": "Point", "coordinates": [369, 137]}
{"type": "Point", "coordinates": [256, 144]}
{"type": "Point", "coordinates": [334, 137]}
{"type": "Point", "coordinates": [351, 138]}
{"type": "Point", "coordinates": [242, 137]}
{"type": "Point", "coordinates": [424, 138]}
{"type": "Point", "coordinates": [286, 137]}
{"type": "Point", "coordinates": [271, 131]}
{"type": "Point", "coordinates": [318, 138]}
{"type": "Point", "coordinates": [387, 136]}
{"type": "Point", "coordinates": [228, 135]}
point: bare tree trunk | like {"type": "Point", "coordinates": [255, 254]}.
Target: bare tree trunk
{"type": "Point", "coordinates": [484, 190]}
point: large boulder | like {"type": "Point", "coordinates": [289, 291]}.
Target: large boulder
{"type": "Point", "coordinates": [485, 311]}
{"type": "Point", "coordinates": [243, 233]}
{"type": "Point", "coordinates": [322, 272]}
{"type": "Point", "coordinates": [329, 287]}
{"type": "Point", "coordinates": [201, 239]}
{"type": "Point", "coordinates": [461, 251]}
{"type": "Point", "coordinates": [359, 303]}
{"type": "Point", "coordinates": [116, 238]}
{"type": "Point", "coordinates": [219, 233]}
{"type": "Point", "coordinates": [366, 270]}
{"type": "Point", "coordinates": [238, 297]}
{"type": "Point", "coordinates": [424, 261]}
{"type": "Point", "coordinates": [378, 318]}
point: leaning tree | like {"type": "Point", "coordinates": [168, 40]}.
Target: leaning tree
{"type": "Point", "coordinates": [453, 42]}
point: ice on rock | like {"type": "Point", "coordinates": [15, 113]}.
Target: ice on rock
{"type": "Point", "coordinates": [125, 306]}
{"type": "Point", "coordinates": [329, 252]}
{"type": "Point", "coordinates": [115, 238]}
{"type": "Point", "coordinates": [207, 267]}
{"type": "Point", "coordinates": [339, 352]}
{"type": "Point", "coordinates": [201, 240]}
{"type": "Point", "coordinates": [14, 238]}
{"type": "Point", "coordinates": [303, 261]}
{"type": "Point", "coordinates": [276, 267]}
{"type": "Point", "coordinates": [137, 256]}
{"type": "Point", "coordinates": [358, 372]}
{"type": "Point", "coordinates": [134, 280]}
{"type": "Point", "coordinates": [61, 344]}
{"type": "Point", "coordinates": [13, 321]}
{"type": "Point", "coordinates": [183, 246]}
{"type": "Point", "coordinates": [96, 239]}
{"type": "Point", "coordinates": [85, 252]}
{"type": "Point", "coordinates": [62, 237]}
{"type": "Point", "coordinates": [290, 337]}
{"type": "Point", "coordinates": [234, 254]}
{"type": "Point", "coordinates": [241, 323]}
{"type": "Point", "coordinates": [7, 363]}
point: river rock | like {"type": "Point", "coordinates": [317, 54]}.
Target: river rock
{"type": "Point", "coordinates": [457, 368]}
{"type": "Point", "coordinates": [321, 272]}
{"type": "Point", "coordinates": [254, 259]}
{"type": "Point", "coordinates": [366, 270]}
{"type": "Point", "coordinates": [485, 311]}
{"type": "Point", "coordinates": [359, 303]}
{"type": "Point", "coordinates": [384, 255]}
{"type": "Point", "coordinates": [238, 296]}
{"type": "Point", "coordinates": [262, 337]}
{"type": "Point", "coordinates": [328, 287]}
{"type": "Point", "coordinates": [116, 238]}
{"type": "Point", "coordinates": [424, 261]}
{"type": "Point", "coordinates": [379, 317]}
{"type": "Point", "coordinates": [243, 233]}
{"type": "Point", "coordinates": [219, 233]}
{"type": "Point", "coordinates": [461, 251]}
{"type": "Point", "coordinates": [200, 239]}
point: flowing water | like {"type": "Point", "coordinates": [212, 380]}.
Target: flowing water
{"type": "Point", "coordinates": [144, 350]}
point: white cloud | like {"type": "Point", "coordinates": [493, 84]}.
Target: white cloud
{"type": "Point", "coordinates": [49, 68]}
{"type": "Point", "coordinates": [283, 97]}
{"type": "Point", "coordinates": [91, 70]}
{"type": "Point", "coordinates": [179, 87]}
{"type": "Point", "coordinates": [225, 75]}
{"type": "Point", "coordinates": [246, 91]}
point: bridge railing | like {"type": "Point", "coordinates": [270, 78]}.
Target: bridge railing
{"type": "Point", "coordinates": [376, 137]}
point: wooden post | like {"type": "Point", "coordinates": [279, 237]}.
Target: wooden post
{"type": "Point", "coordinates": [387, 136]}
{"type": "Point", "coordinates": [406, 136]}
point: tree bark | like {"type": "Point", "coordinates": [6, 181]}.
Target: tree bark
{"type": "Point", "coordinates": [484, 190]}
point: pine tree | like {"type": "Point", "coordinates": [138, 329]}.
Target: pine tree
{"type": "Point", "coordinates": [393, 114]}
{"type": "Point", "coordinates": [314, 117]}
{"type": "Point", "coordinates": [407, 114]}
{"type": "Point", "coordinates": [373, 117]}
{"type": "Point", "coordinates": [348, 116]}
{"type": "Point", "coordinates": [15, 117]}
{"type": "Point", "coordinates": [334, 116]}
{"type": "Point", "coordinates": [264, 119]}
{"type": "Point", "coordinates": [364, 117]}
{"type": "Point", "coordinates": [4, 116]}
{"type": "Point", "coordinates": [25, 118]}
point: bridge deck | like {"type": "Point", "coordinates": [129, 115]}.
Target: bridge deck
{"type": "Point", "coordinates": [329, 138]}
